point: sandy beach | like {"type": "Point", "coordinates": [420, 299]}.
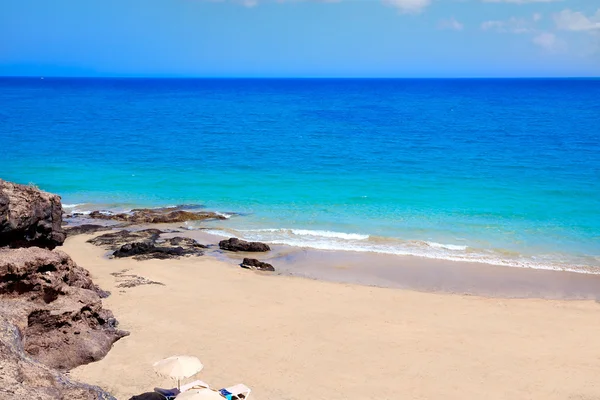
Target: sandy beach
{"type": "Point", "coordinates": [291, 338]}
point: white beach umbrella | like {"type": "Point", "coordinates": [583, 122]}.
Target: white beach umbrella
{"type": "Point", "coordinates": [178, 367]}
{"type": "Point", "coordinates": [201, 394]}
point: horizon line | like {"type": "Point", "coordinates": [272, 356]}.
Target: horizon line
{"type": "Point", "coordinates": [287, 77]}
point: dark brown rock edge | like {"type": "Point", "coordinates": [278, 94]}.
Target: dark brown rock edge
{"type": "Point", "coordinates": [29, 217]}
{"type": "Point", "coordinates": [234, 244]}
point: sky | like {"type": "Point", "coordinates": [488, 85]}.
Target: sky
{"type": "Point", "coordinates": [300, 38]}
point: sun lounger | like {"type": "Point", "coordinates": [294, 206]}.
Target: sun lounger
{"type": "Point", "coordinates": [236, 392]}
{"type": "Point", "coordinates": [198, 384]}
{"type": "Point", "coordinates": [169, 394]}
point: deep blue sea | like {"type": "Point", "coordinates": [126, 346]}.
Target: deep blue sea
{"type": "Point", "coordinates": [503, 171]}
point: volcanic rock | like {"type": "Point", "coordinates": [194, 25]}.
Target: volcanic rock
{"type": "Point", "coordinates": [156, 215]}
{"type": "Point", "coordinates": [252, 263]}
{"type": "Point", "coordinates": [56, 307]}
{"type": "Point", "coordinates": [145, 244]}
{"type": "Point", "coordinates": [235, 244]}
{"type": "Point", "coordinates": [114, 240]}
{"type": "Point", "coordinates": [29, 217]}
{"type": "Point", "coordinates": [171, 248]}
{"type": "Point", "coordinates": [21, 377]}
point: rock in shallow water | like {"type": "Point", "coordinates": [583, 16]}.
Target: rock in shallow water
{"type": "Point", "coordinates": [235, 244]}
{"type": "Point", "coordinates": [252, 263]}
{"type": "Point", "coordinates": [29, 217]}
{"type": "Point", "coordinates": [156, 215]}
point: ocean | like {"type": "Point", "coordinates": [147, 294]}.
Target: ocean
{"type": "Point", "coordinates": [502, 171]}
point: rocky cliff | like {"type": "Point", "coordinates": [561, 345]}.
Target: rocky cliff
{"type": "Point", "coordinates": [51, 314]}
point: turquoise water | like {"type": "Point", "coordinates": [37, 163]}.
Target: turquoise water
{"type": "Point", "coordinates": [504, 171]}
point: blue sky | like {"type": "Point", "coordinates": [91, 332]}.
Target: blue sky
{"type": "Point", "coordinates": [300, 38]}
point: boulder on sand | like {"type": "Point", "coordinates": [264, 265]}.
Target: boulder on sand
{"type": "Point", "coordinates": [234, 244]}
{"type": "Point", "coordinates": [252, 263]}
{"type": "Point", "coordinates": [29, 217]}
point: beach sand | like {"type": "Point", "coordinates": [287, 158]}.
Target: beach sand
{"type": "Point", "coordinates": [291, 338]}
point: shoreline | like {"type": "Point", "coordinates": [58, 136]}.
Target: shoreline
{"type": "Point", "coordinates": [413, 272]}
{"type": "Point", "coordinates": [292, 338]}
{"type": "Point", "coordinates": [320, 239]}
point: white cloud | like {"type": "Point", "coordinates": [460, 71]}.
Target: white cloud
{"type": "Point", "coordinates": [512, 25]}
{"type": "Point", "coordinates": [409, 6]}
{"type": "Point", "coordinates": [405, 6]}
{"type": "Point", "coordinates": [451, 24]}
{"type": "Point", "coordinates": [576, 21]}
{"type": "Point", "coordinates": [547, 41]}
{"type": "Point", "coordinates": [537, 17]}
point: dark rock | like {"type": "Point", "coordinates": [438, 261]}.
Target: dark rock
{"type": "Point", "coordinates": [49, 298]}
{"type": "Point", "coordinates": [253, 263]}
{"type": "Point", "coordinates": [185, 242]}
{"type": "Point", "coordinates": [145, 250]}
{"type": "Point", "coordinates": [85, 229]}
{"type": "Point", "coordinates": [235, 244]}
{"type": "Point", "coordinates": [145, 244]}
{"type": "Point", "coordinates": [156, 215]}
{"type": "Point", "coordinates": [29, 217]}
{"type": "Point", "coordinates": [115, 240]}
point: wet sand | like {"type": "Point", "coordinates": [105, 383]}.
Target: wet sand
{"type": "Point", "coordinates": [417, 273]}
{"type": "Point", "coordinates": [292, 338]}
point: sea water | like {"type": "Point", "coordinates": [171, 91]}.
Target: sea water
{"type": "Point", "coordinates": [503, 171]}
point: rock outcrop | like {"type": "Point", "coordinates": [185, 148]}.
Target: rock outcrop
{"type": "Point", "coordinates": [235, 244]}
{"type": "Point", "coordinates": [29, 217]}
{"type": "Point", "coordinates": [51, 315]}
{"type": "Point", "coordinates": [51, 320]}
{"type": "Point", "coordinates": [146, 244]}
{"type": "Point", "coordinates": [21, 377]}
{"type": "Point", "coordinates": [253, 263]}
{"type": "Point", "coordinates": [58, 308]}
{"type": "Point", "coordinates": [156, 215]}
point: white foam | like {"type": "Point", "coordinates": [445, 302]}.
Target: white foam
{"type": "Point", "coordinates": [312, 233]}
{"type": "Point", "coordinates": [337, 241]}
{"type": "Point", "coordinates": [330, 234]}
{"type": "Point", "coordinates": [446, 246]}
{"type": "Point", "coordinates": [224, 215]}
{"type": "Point", "coordinates": [72, 205]}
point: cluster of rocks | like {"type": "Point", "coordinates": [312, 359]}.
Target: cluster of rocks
{"type": "Point", "coordinates": [51, 314]}
{"type": "Point", "coordinates": [156, 215]}
{"type": "Point", "coordinates": [237, 245]}
{"type": "Point", "coordinates": [146, 244]}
